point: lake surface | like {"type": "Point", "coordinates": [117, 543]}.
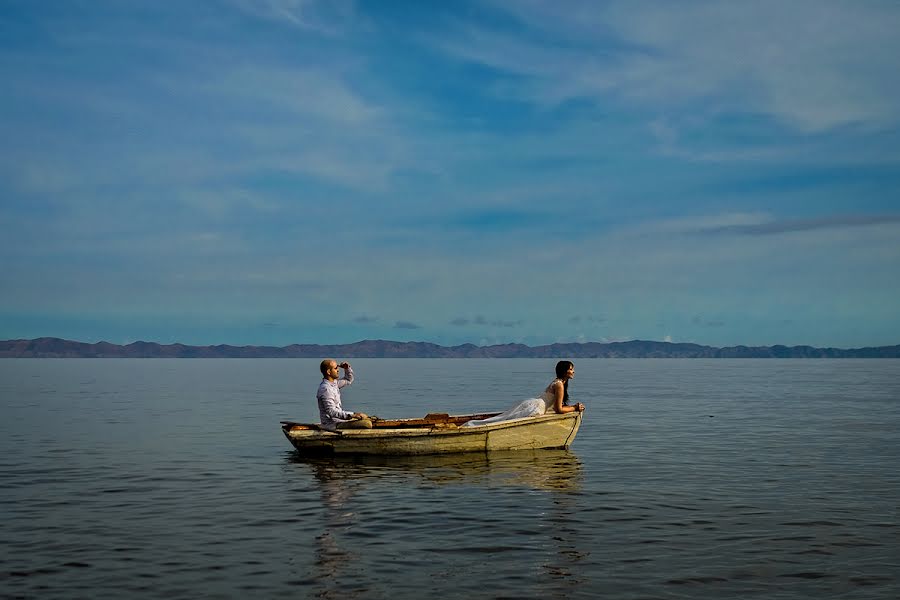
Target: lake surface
{"type": "Point", "coordinates": [688, 479]}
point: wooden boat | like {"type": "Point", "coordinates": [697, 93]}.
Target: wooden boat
{"type": "Point", "coordinates": [437, 433]}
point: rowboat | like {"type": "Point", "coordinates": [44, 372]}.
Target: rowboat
{"type": "Point", "coordinates": [437, 433]}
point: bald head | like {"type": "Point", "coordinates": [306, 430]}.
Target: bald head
{"type": "Point", "coordinates": [328, 363]}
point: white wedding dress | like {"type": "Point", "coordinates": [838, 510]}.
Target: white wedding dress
{"type": "Point", "coordinates": [532, 407]}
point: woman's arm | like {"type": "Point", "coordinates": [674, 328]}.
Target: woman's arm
{"type": "Point", "coordinates": [559, 393]}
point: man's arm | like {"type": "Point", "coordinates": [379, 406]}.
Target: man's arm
{"type": "Point", "coordinates": [347, 379]}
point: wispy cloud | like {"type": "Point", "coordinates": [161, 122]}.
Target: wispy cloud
{"type": "Point", "coordinates": [481, 320]}
{"type": "Point", "coordinates": [365, 319]}
{"type": "Point", "coordinates": [793, 225]}
{"type": "Point", "coordinates": [815, 66]}
{"type": "Point", "coordinates": [755, 224]}
{"type": "Point", "coordinates": [330, 18]}
{"type": "Point", "coordinates": [406, 325]}
{"type": "Point", "coordinates": [704, 322]}
{"type": "Point", "coordinates": [590, 319]}
{"type": "Point", "coordinates": [308, 92]}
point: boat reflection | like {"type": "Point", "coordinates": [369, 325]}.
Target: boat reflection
{"type": "Point", "coordinates": [550, 470]}
{"type": "Point", "coordinates": [341, 569]}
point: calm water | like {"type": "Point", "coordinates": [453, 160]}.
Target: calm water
{"type": "Point", "coordinates": [688, 479]}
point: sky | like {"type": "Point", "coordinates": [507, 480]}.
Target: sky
{"type": "Point", "coordinates": [294, 171]}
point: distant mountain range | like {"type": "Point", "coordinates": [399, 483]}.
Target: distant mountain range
{"type": "Point", "coordinates": [58, 348]}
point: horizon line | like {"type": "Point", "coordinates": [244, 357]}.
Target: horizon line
{"type": "Point", "coordinates": [673, 343]}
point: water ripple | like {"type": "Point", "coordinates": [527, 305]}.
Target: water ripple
{"type": "Point", "coordinates": [169, 479]}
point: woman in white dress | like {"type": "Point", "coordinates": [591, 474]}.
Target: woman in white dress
{"type": "Point", "coordinates": [552, 400]}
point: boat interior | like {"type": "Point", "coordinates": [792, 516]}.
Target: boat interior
{"type": "Point", "coordinates": [431, 420]}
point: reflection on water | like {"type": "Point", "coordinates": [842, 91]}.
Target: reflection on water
{"type": "Point", "coordinates": [348, 484]}
{"type": "Point", "coordinates": [558, 470]}
{"type": "Point", "coordinates": [334, 560]}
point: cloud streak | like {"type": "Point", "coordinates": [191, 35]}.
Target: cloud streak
{"type": "Point", "coordinates": [482, 321]}
{"type": "Point", "coordinates": [796, 225]}
{"type": "Point", "coordinates": [365, 320]}
{"type": "Point", "coordinates": [815, 66]}
{"type": "Point", "coordinates": [327, 18]}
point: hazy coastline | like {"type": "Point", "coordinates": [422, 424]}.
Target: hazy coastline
{"type": "Point", "coordinates": [60, 348]}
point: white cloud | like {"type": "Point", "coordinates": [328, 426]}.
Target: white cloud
{"type": "Point", "coordinates": [329, 17]}
{"type": "Point", "coordinates": [813, 65]}
{"type": "Point", "coordinates": [816, 65]}
{"type": "Point", "coordinates": [695, 224]}
{"type": "Point", "coordinates": [302, 91]}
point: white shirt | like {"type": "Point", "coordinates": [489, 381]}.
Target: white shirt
{"type": "Point", "coordinates": [329, 397]}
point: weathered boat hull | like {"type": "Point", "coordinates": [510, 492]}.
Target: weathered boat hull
{"type": "Point", "coordinates": [412, 436]}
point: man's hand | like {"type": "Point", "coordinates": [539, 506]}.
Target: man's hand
{"type": "Point", "coordinates": [360, 416]}
{"type": "Point", "coordinates": [344, 365]}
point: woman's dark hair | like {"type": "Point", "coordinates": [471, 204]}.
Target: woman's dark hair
{"type": "Point", "coordinates": [562, 369]}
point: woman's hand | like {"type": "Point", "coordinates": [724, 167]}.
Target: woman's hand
{"type": "Point", "coordinates": [579, 407]}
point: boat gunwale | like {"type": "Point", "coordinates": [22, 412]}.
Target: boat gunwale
{"type": "Point", "coordinates": [438, 428]}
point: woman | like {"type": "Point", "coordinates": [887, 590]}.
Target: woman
{"type": "Point", "coordinates": [552, 400]}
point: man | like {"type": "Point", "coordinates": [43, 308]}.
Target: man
{"type": "Point", "coordinates": [331, 414]}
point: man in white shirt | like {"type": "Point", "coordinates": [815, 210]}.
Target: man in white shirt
{"type": "Point", "coordinates": [331, 414]}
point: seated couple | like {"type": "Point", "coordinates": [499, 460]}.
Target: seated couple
{"type": "Point", "coordinates": [554, 399]}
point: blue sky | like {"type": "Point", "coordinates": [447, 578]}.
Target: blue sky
{"type": "Point", "coordinates": [281, 171]}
